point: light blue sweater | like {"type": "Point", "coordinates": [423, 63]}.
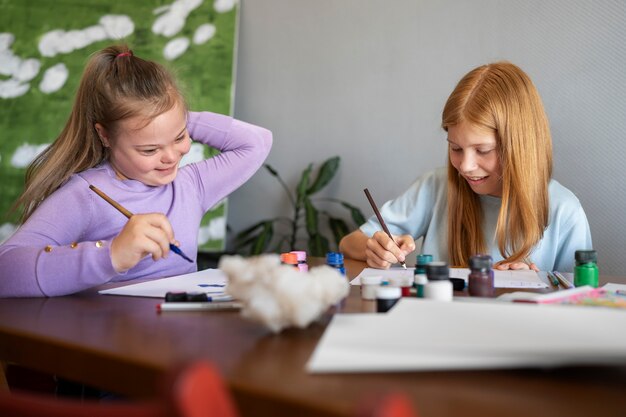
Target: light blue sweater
{"type": "Point", "coordinates": [421, 211]}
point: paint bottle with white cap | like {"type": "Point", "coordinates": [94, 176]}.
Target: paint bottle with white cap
{"type": "Point", "coordinates": [369, 284]}
{"type": "Point", "coordinates": [439, 286]}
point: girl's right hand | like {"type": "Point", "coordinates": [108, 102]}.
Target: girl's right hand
{"type": "Point", "coordinates": [381, 252]}
{"type": "Point", "coordinates": [143, 234]}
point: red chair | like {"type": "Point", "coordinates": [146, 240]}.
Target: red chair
{"type": "Point", "coordinates": [389, 405]}
{"type": "Point", "coordinates": [195, 391]}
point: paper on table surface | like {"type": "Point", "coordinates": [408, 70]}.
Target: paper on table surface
{"type": "Point", "coordinates": [385, 273]}
{"type": "Point", "coordinates": [418, 335]}
{"type": "Point", "coordinates": [506, 279]}
{"type": "Point", "coordinates": [502, 279]}
{"type": "Point", "coordinates": [614, 287]}
{"type": "Point", "coordinates": [210, 281]}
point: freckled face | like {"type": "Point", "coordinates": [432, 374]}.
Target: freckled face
{"type": "Point", "coordinates": [150, 153]}
{"type": "Point", "coordinates": [473, 152]}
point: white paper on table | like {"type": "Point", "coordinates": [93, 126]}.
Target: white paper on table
{"type": "Point", "coordinates": [419, 335]}
{"type": "Point", "coordinates": [502, 279]}
{"type": "Point", "coordinates": [210, 281]}
{"type": "Point", "coordinates": [506, 279]}
{"type": "Point", "coordinates": [614, 287]}
{"type": "Point", "coordinates": [384, 273]}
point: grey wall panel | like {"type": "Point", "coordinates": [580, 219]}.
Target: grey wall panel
{"type": "Point", "coordinates": [367, 79]}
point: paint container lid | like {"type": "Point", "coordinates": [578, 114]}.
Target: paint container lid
{"type": "Point", "coordinates": [300, 255]}
{"type": "Point", "coordinates": [388, 293]}
{"type": "Point", "coordinates": [458, 284]}
{"type": "Point", "coordinates": [480, 262]}
{"type": "Point", "coordinates": [372, 280]}
{"type": "Point", "coordinates": [586, 256]}
{"type": "Point", "coordinates": [420, 262]}
{"type": "Point", "coordinates": [289, 258]}
{"type": "Point", "coordinates": [437, 271]}
{"type": "Point", "coordinates": [334, 258]}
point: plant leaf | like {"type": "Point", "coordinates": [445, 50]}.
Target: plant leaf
{"type": "Point", "coordinates": [326, 173]}
{"type": "Point", "coordinates": [310, 214]}
{"type": "Point", "coordinates": [242, 244]}
{"type": "Point", "coordinates": [356, 213]}
{"type": "Point", "coordinates": [244, 234]}
{"type": "Point", "coordinates": [318, 245]}
{"type": "Point", "coordinates": [339, 228]}
{"type": "Point", "coordinates": [271, 170]}
{"type": "Point", "coordinates": [263, 239]}
{"type": "Point", "coordinates": [303, 184]}
{"type": "Point", "coordinates": [278, 247]}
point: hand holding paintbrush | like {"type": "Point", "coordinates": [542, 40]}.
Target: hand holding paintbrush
{"type": "Point", "coordinates": [143, 234]}
{"type": "Point", "coordinates": [381, 221]}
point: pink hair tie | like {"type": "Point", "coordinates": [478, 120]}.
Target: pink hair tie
{"type": "Point", "coordinates": [124, 54]}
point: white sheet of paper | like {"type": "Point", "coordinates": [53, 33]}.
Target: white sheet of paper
{"type": "Point", "coordinates": [210, 281]}
{"type": "Point", "coordinates": [614, 287]}
{"type": "Point", "coordinates": [384, 273]}
{"type": "Point", "coordinates": [502, 279]}
{"type": "Point", "coordinates": [419, 335]}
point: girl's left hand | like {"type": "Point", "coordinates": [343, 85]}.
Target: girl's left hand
{"type": "Point", "coordinates": [516, 265]}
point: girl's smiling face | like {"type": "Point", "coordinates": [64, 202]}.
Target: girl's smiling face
{"type": "Point", "coordinates": [149, 153]}
{"type": "Point", "coordinates": [473, 152]}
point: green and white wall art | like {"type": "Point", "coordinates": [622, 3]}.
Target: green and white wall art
{"type": "Point", "coordinates": [44, 46]}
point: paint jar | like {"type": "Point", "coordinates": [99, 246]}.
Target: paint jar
{"type": "Point", "coordinates": [301, 256]}
{"type": "Point", "coordinates": [419, 279]}
{"type": "Point", "coordinates": [335, 260]}
{"type": "Point", "coordinates": [439, 286]}
{"type": "Point", "coordinates": [404, 283]}
{"type": "Point", "coordinates": [480, 279]}
{"type": "Point", "coordinates": [387, 297]}
{"type": "Point", "coordinates": [369, 285]}
{"type": "Point", "coordinates": [289, 259]}
{"type": "Point", "coordinates": [458, 284]}
{"type": "Point", "coordinates": [586, 270]}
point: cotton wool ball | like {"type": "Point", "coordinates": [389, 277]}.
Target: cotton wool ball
{"type": "Point", "coordinates": [280, 296]}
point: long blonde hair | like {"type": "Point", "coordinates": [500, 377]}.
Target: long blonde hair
{"type": "Point", "coordinates": [502, 98]}
{"type": "Point", "coordinates": [115, 85]}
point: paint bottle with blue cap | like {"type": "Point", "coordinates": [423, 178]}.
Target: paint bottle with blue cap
{"type": "Point", "coordinates": [335, 260]}
{"type": "Point", "coordinates": [419, 277]}
{"type": "Point", "coordinates": [586, 270]}
{"type": "Point", "coordinates": [439, 286]}
{"type": "Point", "coordinates": [480, 280]}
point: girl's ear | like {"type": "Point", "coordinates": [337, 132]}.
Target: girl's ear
{"type": "Point", "coordinates": [103, 135]}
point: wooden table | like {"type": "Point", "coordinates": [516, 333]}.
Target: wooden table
{"type": "Point", "coordinates": [121, 344]}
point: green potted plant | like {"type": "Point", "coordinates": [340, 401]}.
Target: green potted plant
{"type": "Point", "coordinates": [264, 236]}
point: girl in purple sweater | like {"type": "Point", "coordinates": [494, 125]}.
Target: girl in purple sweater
{"type": "Point", "coordinates": [127, 132]}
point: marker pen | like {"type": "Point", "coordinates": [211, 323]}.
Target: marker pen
{"type": "Point", "coordinates": [191, 306]}
{"type": "Point", "coordinates": [183, 297]}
